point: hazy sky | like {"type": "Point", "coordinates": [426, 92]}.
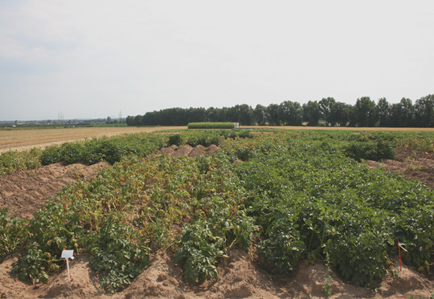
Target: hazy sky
{"type": "Point", "coordinates": [97, 58]}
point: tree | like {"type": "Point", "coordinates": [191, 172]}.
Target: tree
{"type": "Point", "coordinates": [383, 112]}
{"type": "Point", "coordinates": [326, 107]}
{"type": "Point", "coordinates": [311, 113]}
{"type": "Point", "coordinates": [212, 114]}
{"type": "Point", "coordinates": [402, 114]}
{"type": "Point", "coordinates": [424, 111]}
{"type": "Point", "coordinates": [341, 114]}
{"type": "Point", "coordinates": [224, 114]}
{"type": "Point", "coordinates": [273, 110]}
{"type": "Point", "coordinates": [243, 114]}
{"type": "Point", "coordinates": [150, 119]}
{"type": "Point", "coordinates": [365, 112]}
{"type": "Point", "coordinates": [130, 121]}
{"type": "Point", "coordinates": [138, 120]}
{"type": "Point", "coordinates": [291, 113]}
{"type": "Point", "coordinates": [195, 115]}
{"type": "Point", "coordinates": [179, 117]}
{"type": "Point", "coordinates": [261, 115]}
{"type": "Point", "coordinates": [407, 112]}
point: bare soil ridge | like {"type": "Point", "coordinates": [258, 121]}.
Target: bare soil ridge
{"type": "Point", "coordinates": [26, 191]}
{"type": "Point", "coordinates": [413, 165]}
{"type": "Point", "coordinates": [187, 150]}
{"type": "Point", "coordinates": [239, 275]}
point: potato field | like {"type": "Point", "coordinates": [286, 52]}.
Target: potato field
{"type": "Point", "coordinates": [287, 199]}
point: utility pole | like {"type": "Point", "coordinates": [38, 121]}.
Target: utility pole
{"type": "Point", "coordinates": [60, 117]}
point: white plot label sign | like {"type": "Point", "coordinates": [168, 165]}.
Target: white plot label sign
{"type": "Point", "coordinates": [68, 254]}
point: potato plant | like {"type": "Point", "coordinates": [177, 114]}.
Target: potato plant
{"type": "Point", "coordinates": [118, 254]}
{"type": "Point", "coordinates": [103, 149]}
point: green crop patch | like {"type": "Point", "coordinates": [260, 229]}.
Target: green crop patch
{"type": "Point", "coordinates": [211, 125]}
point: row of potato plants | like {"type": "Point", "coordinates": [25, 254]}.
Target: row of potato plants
{"type": "Point", "coordinates": [89, 151]}
{"type": "Point", "coordinates": [95, 150]}
{"type": "Point", "coordinates": [207, 137]}
{"type": "Point", "coordinates": [313, 201]}
{"type": "Point", "coordinates": [13, 161]}
{"type": "Point", "coordinates": [191, 206]}
{"type": "Point", "coordinates": [111, 149]}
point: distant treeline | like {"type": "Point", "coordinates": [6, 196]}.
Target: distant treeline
{"type": "Point", "coordinates": [365, 113]}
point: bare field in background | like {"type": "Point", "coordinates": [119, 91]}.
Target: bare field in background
{"type": "Point", "coordinates": [26, 139]}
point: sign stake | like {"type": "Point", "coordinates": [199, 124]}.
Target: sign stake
{"type": "Point", "coordinates": [400, 245]}
{"type": "Point", "coordinates": [68, 254]}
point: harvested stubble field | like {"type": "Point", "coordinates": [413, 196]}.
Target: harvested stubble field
{"type": "Point", "coordinates": [22, 139]}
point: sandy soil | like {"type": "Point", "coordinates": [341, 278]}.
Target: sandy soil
{"type": "Point", "coordinates": [239, 275]}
